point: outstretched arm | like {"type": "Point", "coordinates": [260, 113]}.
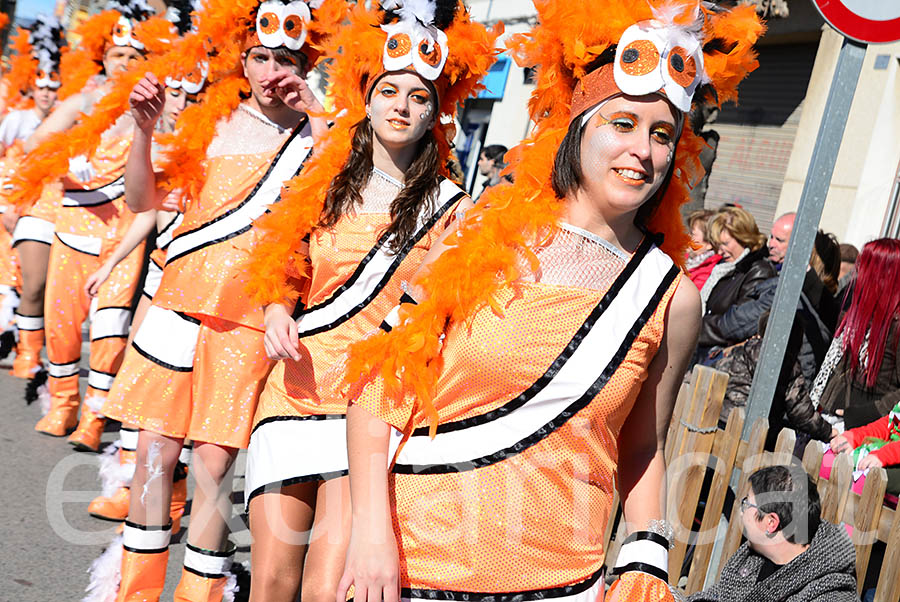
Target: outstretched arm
{"type": "Point", "coordinates": [147, 100]}
{"type": "Point", "coordinates": [140, 228]}
{"type": "Point", "coordinates": [62, 118]}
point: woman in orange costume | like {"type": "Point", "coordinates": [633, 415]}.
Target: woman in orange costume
{"type": "Point", "coordinates": [538, 370]}
{"type": "Point", "coordinates": [91, 221]}
{"type": "Point", "coordinates": [399, 71]}
{"type": "Point", "coordinates": [39, 52]}
{"type": "Point", "coordinates": [196, 365]}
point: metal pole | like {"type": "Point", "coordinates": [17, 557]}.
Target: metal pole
{"type": "Point", "coordinates": [818, 179]}
{"type": "Point", "coordinates": [890, 227]}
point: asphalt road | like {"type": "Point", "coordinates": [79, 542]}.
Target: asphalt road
{"type": "Point", "coordinates": [47, 538]}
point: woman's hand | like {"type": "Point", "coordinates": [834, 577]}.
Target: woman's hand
{"type": "Point", "coordinates": [293, 91]}
{"type": "Point", "coordinates": [96, 280]}
{"type": "Point", "coordinates": [840, 444]}
{"type": "Point", "coordinates": [372, 567]}
{"type": "Point", "coordinates": [281, 340]}
{"type": "Point", "coordinates": [147, 100]}
{"type": "Point", "coordinates": [870, 461]}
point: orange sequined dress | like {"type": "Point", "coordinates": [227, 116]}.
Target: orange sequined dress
{"type": "Point", "coordinates": [197, 362]}
{"type": "Point", "coordinates": [513, 495]}
{"type": "Point", "coordinates": [355, 280]}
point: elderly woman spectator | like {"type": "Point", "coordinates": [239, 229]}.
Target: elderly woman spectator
{"type": "Point", "coordinates": [740, 288]}
{"type": "Point", "coordinates": [703, 257]}
{"type": "Point", "coordinates": [791, 554]}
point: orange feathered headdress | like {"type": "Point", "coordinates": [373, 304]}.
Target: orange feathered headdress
{"type": "Point", "coordinates": [50, 160]}
{"type": "Point", "coordinates": [223, 31]}
{"type": "Point", "coordinates": [37, 52]}
{"type": "Point", "coordinates": [571, 39]}
{"type": "Point", "coordinates": [20, 78]}
{"type": "Point", "coordinates": [358, 59]}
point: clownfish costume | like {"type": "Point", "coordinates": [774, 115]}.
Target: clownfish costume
{"type": "Point", "coordinates": [511, 380]}
{"type": "Point", "coordinates": [225, 161]}
{"type": "Point", "coordinates": [351, 270]}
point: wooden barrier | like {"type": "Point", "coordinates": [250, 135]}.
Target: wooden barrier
{"type": "Point", "coordinates": [697, 451]}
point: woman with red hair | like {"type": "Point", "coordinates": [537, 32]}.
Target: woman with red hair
{"type": "Point", "coordinates": [861, 372]}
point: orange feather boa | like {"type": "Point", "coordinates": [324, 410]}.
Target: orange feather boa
{"type": "Point", "coordinates": [18, 81]}
{"type": "Point", "coordinates": [357, 57]}
{"type": "Point", "coordinates": [483, 257]}
{"type": "Point", "coordinates": [223, 27]}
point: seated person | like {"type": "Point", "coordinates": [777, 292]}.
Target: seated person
{"type": "Point", "coordinates": [790, 554]}
{"type": "Point", "coordinates": [702, 258]}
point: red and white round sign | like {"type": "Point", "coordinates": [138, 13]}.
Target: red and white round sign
{"type": "Point", "coordinates": [868, 21]}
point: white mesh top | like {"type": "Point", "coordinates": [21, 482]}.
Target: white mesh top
{"type": "Point", "coordinates": [246, 132]}
{"type": "Point", "coordinates": [577, 258]}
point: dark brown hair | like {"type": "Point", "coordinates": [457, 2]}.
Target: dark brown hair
{"type": "Point", "coordinates": [567, 176]}
{"type": "Point", "coordinates": [419, 190]}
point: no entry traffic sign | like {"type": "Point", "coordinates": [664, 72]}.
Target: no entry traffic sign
{"type": "Point", "coordinates": [867, 21]}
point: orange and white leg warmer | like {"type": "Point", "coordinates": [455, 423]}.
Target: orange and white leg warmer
{"type": "Point", "coordinates": [28, 350]}
{"type": "Point", "coordinates": [132, 568]}
{"type": "Point", "coordinates": [116, 471]}
{"type": "Point", "coordinates": [206, 576]}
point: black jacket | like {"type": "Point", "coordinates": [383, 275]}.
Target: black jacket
{"type": "Point", "coordinates": [738, 300]}
{"type": "Point", "coordinates": [849, 392]}
{"type": "Point", "coordinates": [817, 314]}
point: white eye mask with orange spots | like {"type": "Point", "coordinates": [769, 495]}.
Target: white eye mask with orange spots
{"type": "Point", "coordinates": [410, 44]}
{"type": "Point", "coordinates": [654, 57]}
{"type": "Point", "coordinates": [279, 24]}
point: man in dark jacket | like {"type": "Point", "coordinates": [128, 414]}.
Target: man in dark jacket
{"type": "Point", "coordinates": [790, 555]}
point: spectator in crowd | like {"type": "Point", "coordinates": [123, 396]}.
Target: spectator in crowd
{"type": "Point", "coordinates": [790, 555]}
{"type": "Point", "coordinates": [740, 288]}
{"type": "Point", "coordinates": [490, 164]}
{"type": "Point", "coordinates": [703, 257]}
{"type": "Point", "coordinates": [781, 236]}
{"type": "Point", "coordinates": [818, 309]}
{"type": "Point", "coordinates": [849, 254]}
{"type": "Point", "coordinates": [791, 406]}
{"type": "Point", "coordinates": [860, 377]}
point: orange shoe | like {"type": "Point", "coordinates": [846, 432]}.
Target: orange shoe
{"type": "Point", "coordinates": [90, 428]}
{"type": "Point", "coordinates": [144, 560]}
{"type": "Point", "coordinates": [61, 418]}
{"type": "Point", "coordinates": [205, 576]}
{"type": "Point", "coordinates": [28, 350]}
{"type": "Point", "coordinates": [114, 507]}
{"type": "Point", "coordinates": [116, 472]}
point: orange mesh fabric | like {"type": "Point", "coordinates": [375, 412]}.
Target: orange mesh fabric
{"type": "Point", "coordinates": [48, 205]}
{"type": "Point", "coordinates": [310, 386]}
{"type": "Point", "coordinates": [535, 519]}
{"type": "Point", "coordinates": [213, 403]}
{"type": "Point", "coordinates": [109, 220]}
{"type": "Point", "coordinates": [212, 281]}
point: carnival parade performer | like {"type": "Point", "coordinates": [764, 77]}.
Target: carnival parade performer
{"type": "Point", "coordinates": [118, 460]}
{"type": "Point", "coordinates": [196, 364]}
{"type": "Point", "coordinates": [39, 51]}
{"type": "Point", "coordinates": [92, 219]}
{"type": "Point", "coordinates": [534, 369]}
{"type": "Point", "coordinates": [374, 198]}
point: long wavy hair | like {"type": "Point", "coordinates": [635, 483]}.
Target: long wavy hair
{"type": "Point", "coordinates": [875, 305]}
{"type": "Point", "coordinates": [421, 183]}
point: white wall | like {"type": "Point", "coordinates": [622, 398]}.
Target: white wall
{"type": "Point", "coordinates": [870, 150]}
